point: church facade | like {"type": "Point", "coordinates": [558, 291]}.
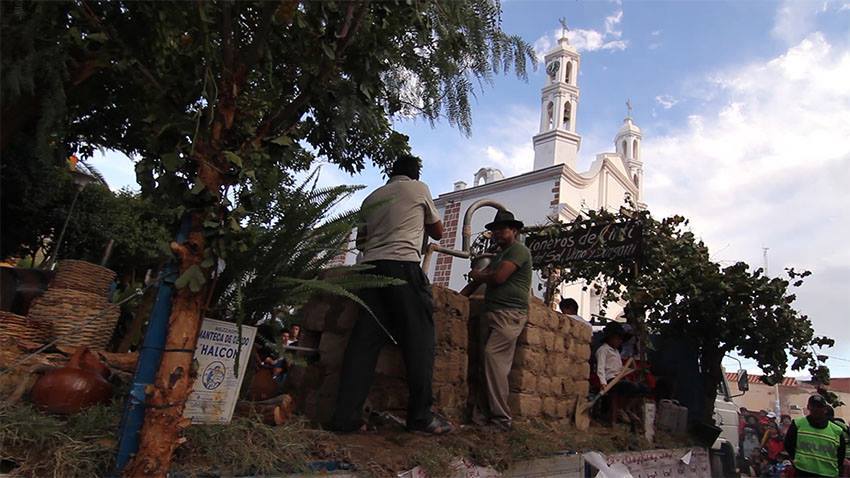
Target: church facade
{"type": "Point", "coordinates": [554, 190]}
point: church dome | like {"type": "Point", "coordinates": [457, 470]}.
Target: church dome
{"type": "Point", "coordinates": [629, 127]}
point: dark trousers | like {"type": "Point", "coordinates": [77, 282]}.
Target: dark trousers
{"type": "Point", "coordinates": [407, 311]}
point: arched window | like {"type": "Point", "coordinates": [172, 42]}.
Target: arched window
{"type": "Point", "coordinates": [568, 110]}
{"type": "Point", "coordinates": [636, 180]}
{"type": "Point", "coordinates": [568, 72]}
{"type": "Point", "coordinates": [550, 116]}
{"type": "Point", "coordinates": [625, 153]}
{"type": "Point", "coordinates": [635, 150]}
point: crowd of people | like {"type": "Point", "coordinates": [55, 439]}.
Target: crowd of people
{"type": "Point", "coordinates": [779, 447]}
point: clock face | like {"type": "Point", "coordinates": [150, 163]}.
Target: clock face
{"type": "Point", "coordinates": [552, 69]}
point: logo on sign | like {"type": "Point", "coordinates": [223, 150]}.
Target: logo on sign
{"type": "Point", "coordinates": [213, 375]}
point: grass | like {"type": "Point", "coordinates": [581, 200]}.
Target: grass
{"type": "Point", "coordinates": [245, 447]}
{"type": "Point", "coordinates": [84, 445]}
{"type": "Point", "coordinates": [42, 445]}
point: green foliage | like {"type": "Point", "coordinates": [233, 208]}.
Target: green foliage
{"type": "Point", "coordinates": [282, 251]}
{"type": "Point", "coordinates": [255, 91]}
{"type": "Point", "coordinates": [684, 293]}
{"type": "Point", "coordinates": [246, 446]}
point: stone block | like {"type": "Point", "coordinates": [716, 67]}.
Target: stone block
{"type": "Point", "coordinates": [582, 387]}
{"type": "Point", "coordinates": [450, 304]}
{"type": "Point", "coordinates": [525, 405]}
{"type": "Point", "coordinates": [550, 407]}
{"type": "Point", "coordinates": [581, 331]}
{"type": "Point", "coordinates": [531, 335]}
{"type": "Point", "coordinates": [553, 321]}
{"type": "Point", "coordinates": [565, 325]}
{"type": "Point", "coordinates": [548, 340]}
{"type": "Point", "coordinates": [451, 331]}
{"type": "Point", "coordinates": [567, 387]}
{"type": "Point", "coordinates": [562, 368]}
{"type": "Point", "coordinates": [390, 362]}
{"type": "Point", "coordinates": [332, 349]}
{"type": "Point", "coordinates": [313, 314]}
{"type": "Point", "coordinates": [555, 387]}
{"type": "Point", "coordinates": [537, 313]}
{"type": "Point", "coordinates": [569, 344]}
{"type": "Point", "coordinates": [544, 385]}
{"type": "Point", "coordinates": [582, 352]}
{"type": "Point", "coordinates": [570, 406]}
{"type": "Point", "coordinates": [563, 409]}
{"type": "Point", "coordinates": [528, 358]}
{"type": "Point", "coordinates": [581, 370]}
{"type": "Point", "coordinates": [342, 316]}
{"type": "Point", "coordinates": [558, 345]}
{"type": "Point", "coordinates": [388, 394]}
{"type": "Point", "coordinates": [450, 366]}
{"type": "Point", "coordinates": [521, 380]}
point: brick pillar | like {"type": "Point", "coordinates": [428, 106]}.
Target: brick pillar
{"type": "Point", "coordinates": [556, 192]}
{"type": "Point", "coordinates": [443, 269]}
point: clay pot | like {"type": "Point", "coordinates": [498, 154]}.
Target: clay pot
{"type": "Point", "coordinates": [263, 385]}
{"type": "Point", "coordinates": [77, 385]}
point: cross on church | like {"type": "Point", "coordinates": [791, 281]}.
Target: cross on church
{"type": "Point", "coordinates": [564, 28]}
{"type": "Point", "coordinates": [629, 107]}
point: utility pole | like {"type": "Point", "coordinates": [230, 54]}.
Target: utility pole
{"type": "Point", "coordinates": [778, 405]}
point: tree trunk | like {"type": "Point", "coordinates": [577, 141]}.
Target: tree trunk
{"type": "Point", "coordinates": [712, 374]}
{"type": "Point", "coordinates": [160, 434]}
{"type": "Point", "coordinates": [133, 334]}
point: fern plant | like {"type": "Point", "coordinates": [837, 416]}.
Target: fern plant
{"type": "Point", "coordinates": [287, 258]}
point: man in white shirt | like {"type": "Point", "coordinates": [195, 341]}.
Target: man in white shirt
{"type": "Point", "coordinates": [608, 361]}
{"type": "Point", "coordinates": [397, 216]}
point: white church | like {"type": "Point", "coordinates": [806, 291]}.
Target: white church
{"type": "Point", "coordinates": [553, 190]}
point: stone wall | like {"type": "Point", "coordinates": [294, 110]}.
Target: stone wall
{"type": "Point", "coordinates": [551, 365]}
{"type": "Point", "coordinates": [550, 370]}
{"type": "Point", "coordinates": [327, 323]}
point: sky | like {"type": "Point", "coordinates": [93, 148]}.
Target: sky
{"type": "Point", "coordinates": [745, 114]}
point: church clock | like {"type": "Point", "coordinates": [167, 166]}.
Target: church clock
{"type": "Point", "coordinates": [552, 68]}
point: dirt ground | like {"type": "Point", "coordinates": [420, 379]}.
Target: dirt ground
{"type": "Point", "coordinates": [391, 449]}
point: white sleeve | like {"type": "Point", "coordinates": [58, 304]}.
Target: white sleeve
{"type": "Point", "coordinates": [431, 213]}
{"type": "Point", "coordinates": [600, 365]}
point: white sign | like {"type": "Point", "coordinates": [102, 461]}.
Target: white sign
{"type": "Point", "coordinates": [216, 388]}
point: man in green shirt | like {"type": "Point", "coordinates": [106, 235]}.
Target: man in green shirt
{"type": "Point", "coordinates": [508, 281]}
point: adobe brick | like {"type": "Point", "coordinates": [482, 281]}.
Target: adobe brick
{"type": "Point", "coordinates": [525, 405]}
{"type": "Point", "coordinates": [521, 380]}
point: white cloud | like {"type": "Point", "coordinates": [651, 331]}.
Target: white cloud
{"type": "Point", "coordinates": [666, 101]}
{"type": "Point", "coordinates": [655, 33]}
{"type": "Point", "coordinates": [611, 23]}
{"type": "Point", "coordinates": [769, 166]}
{"type": "Point", "coordinates": [654, 46]}
{"type": "Point", "coordinates": [796, 19]}
{"type": "Point", "coordinates": [588, 40]}
{"type": "Point", "coordinates": [844, 8]}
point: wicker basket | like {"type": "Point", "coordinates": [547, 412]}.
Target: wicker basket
{"type": "Point", "coordinates": [18, 327]}
{"type": "Point", "coordinates": [78, 318]}
{"type": "Point", "coordinates": [83, 276]}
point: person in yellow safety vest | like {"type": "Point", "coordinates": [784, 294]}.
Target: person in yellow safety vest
{"type": "Point", "coordinates": [815, 444]}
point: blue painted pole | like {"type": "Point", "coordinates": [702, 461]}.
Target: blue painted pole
{"type": "Point", "coordinates": [149, 358]}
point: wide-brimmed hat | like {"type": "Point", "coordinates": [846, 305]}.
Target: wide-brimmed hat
{"type": "Point", "coordinates": [612, 329]}
{"type": "Point", "coordinates": [504, 218]}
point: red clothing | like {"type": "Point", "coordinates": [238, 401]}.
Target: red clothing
{"type": "Point", "coordinates": [774, 447]}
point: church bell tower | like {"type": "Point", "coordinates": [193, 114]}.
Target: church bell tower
{"type": "Point", "coordinates": [557, 141]}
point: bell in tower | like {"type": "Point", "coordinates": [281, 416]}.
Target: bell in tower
{"type": "Point", "coordinates": [557, 141]}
